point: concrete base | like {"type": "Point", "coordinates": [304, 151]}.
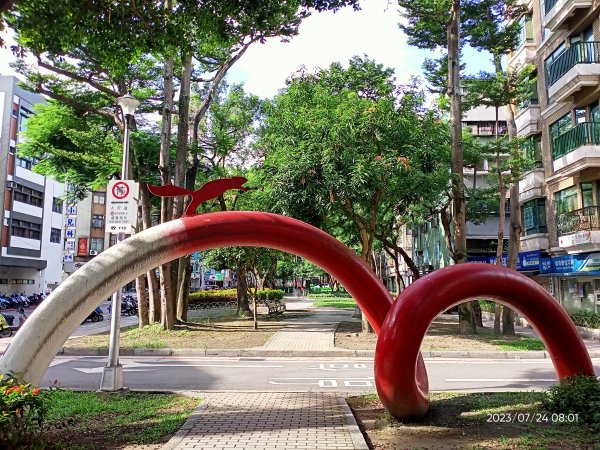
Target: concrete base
{"type": "Point", "coordinates": [112, 379]}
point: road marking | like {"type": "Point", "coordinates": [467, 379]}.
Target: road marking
{"type": "Point", "coordinates": [502, 380]}
{"type": "Point", "coordinates": [324, 383]}
{"type": "Point", "coordinates": [338, 366]}
{"type": "Point", "coordinates": [133, 366]}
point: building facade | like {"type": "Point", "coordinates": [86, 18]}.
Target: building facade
{"type": "Point", "coordinates": [31, 206]}
{"type": "Point", "coordinates": [85, 231]}
{"type": "Point", "coordinates": [560, 197]}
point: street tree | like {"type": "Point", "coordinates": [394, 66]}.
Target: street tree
{"type": "Point", "coordinates": [342, 142]}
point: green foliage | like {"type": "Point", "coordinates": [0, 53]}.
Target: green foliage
{"type": "Point", "coordinates": [23, 410]}
{"type": "Point", "coordinates": [587, 319]}
{"type": "Point", "coordinates": [487, 306]}
{"type": "Point", "coordinates": [344, 146]}
{"type": "Point", "coordinates": [230, 295]}
{"type": "Point", "coordinates": [576, 395]}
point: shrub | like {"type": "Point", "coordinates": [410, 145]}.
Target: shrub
{"type": "Point", "coordinates": [230, 295]}
{"type": "Point", "coordinates": [487, 306]}
{"type": "Point", "coordinates": [22, 413]}
{"type": "Point", "coordinates": [579, 395]}
{"type": "Point", "coordinates": [587, 319]}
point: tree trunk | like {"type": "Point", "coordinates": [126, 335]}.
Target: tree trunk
{"type": "Point", "coordinates": [466, 316]}
{"type": "Point", "coordinates": [497, 318]}
{"type": "Point", "coordinates": [152, 282]}
{"type": "Point", "coordinates": [142, 301]}
{"type": "Point", "coordinates": [166, 280]}
{"type": "Point", "coordinates": [184, 272]}
{"type": "Point", "coordinates": [242, 292]}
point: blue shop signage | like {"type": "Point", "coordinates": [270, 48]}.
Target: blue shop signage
{"type": "Point", "coordinates": [527, 260]}
{"type": "Point", "coordinates": [583, 264]}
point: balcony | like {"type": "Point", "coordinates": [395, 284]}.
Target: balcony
{"type": "Point", "coordinates": [531, 185]}
{"type": "Point", "coordinates": [525, 54]}
{"type": "Point", "coordinates": [527, 120]}
{"type": "Point", "coordinates": [558, 12]}
{"type": "Point", "coordinates": [577, 148]}
{"type": "Point", "coordinates": [579, 229]}
{"type": "Point", "coordinates": [578, 67]}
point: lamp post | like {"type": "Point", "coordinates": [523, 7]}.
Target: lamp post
{"type": "Point", "coordinates": [112, 375]}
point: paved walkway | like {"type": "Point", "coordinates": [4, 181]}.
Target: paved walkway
{"type": "Point", "coordinates": [270, 420]}
{"type": "Point", "coordinates": [315, 333]}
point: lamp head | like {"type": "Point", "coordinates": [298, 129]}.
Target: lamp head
{"type": "Point", "coordinates": [128, 104]}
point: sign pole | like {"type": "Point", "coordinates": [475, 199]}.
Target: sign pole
{"type": "Point", "coordinates": [112, 375]}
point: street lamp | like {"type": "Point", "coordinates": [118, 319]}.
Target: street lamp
{"type": "Point", "coordinates": [112, 375]}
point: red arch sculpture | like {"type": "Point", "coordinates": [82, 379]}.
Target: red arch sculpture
{"type": "Point", "coordinates": [400, 374]}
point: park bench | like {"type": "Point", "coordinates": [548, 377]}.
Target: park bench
{"type": "Point", "coordinates": [275, 307]}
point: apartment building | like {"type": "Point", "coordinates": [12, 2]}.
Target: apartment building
{"type": "Point", "coordinates": [429, 247]}
{"type": "Point", "coordinates": [31, 208]}
{"type": "Point", "coordinates": [560, 197]}
{"type": "Point", "coordinates": [85, 231]}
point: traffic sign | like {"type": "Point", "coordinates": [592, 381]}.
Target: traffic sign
{"type": "Point", "coordinates": [122, 206]}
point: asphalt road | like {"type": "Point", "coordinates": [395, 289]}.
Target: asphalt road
{"type": "Point", "coordinates": [297, 374]}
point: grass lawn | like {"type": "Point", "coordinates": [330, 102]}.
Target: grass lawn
{"type": "Point", "coordinates": [90, 420]}
{"type": "Point", "coordinates": [443, 335]}
{"type": "Point", "coordinates": [464, 421]}
{"type": "Point", "coordinates": [207, 333]}
{"type": "Point", "coordinates": [335, 302]}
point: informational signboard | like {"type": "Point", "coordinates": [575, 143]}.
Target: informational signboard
{"type": "Point", "coordinates": [122, 206]}
{"type": "Point", "coordinates": [68, 258]}
{"type": "Point", "coordinates": [82, 244]}
{"type": "Point", "coordinates": [70, 234]}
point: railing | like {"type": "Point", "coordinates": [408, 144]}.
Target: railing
{"type": "Point", "coordinates": [582, 134]}
{"type": "Point", "coordinates": [578, 53]}
{"type": "Point", "coordinates": [584, 219]}
{"type": "Point", "coordinates": [548, 5]}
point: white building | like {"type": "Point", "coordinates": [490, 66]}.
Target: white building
{"type": "Point", "coordinates": [31, 208]}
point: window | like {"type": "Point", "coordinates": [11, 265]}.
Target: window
{"type": "Point", "coordinates": [587, 196]}
{"type": "Point", "coordinates": [532, 149]}
{"type": "Point", "coordinates": [24, 163]}
{"type": "Point", "coordinates": [534, 216]}
{"type": "Point", "coordinates": [97, 221]}
{"type": "Point", "coordinates": [561, 125]}
{"type": "Point", "coordinates": [566, 200]}
{"type": "Point", "coordinates": [22, 281]}
{"type": "Point", "coordinates": [97, 244]}
{"type": "Point", "coordinates": [57, 205]}
{"type": "Point", "coordinates": [99, 198]}
{"type": "Point", "coordinates": [21, 228]}
{"type": "Point", "coordinates": [112, 240]}
{"type": "Point", "coordinates": [526, 33]}
{"type": "Point", "coordinates": [55, 235]}
{"type": "Point", "coordinates": [28, 195]}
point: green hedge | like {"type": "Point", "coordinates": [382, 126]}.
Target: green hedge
{"type": "Point", "coordinates": [586, 319]}
{"type": "Point", "coordinates": [487, 306]}
{"type": "Point", "coordinates": [228, 295]}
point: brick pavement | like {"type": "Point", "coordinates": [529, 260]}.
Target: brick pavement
{"type": "Point", "coordinates": [272, 420]}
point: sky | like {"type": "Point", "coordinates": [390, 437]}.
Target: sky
{"type": "Point", "coordinates": [325, 38]}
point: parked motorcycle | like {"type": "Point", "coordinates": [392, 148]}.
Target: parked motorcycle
{"type": "Point", "coordinates": [7, 322]}
{"type": "Point", "coordinates": [129, 306]}
{"type": "Point", "coordinates": [96, 316]}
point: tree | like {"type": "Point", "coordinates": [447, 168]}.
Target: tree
{"type": "Point", "coordinates": [340, 143]}
{"type": "Point", "coordinates": [89, 53]}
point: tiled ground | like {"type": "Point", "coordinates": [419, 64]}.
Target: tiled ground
{"type": "Point", "coordinates": [267, 421]}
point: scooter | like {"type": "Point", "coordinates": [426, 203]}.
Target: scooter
{"type": "Point", "coordinates": [7, 320]}
{"type": "Point", "coordinates": [96, 316]}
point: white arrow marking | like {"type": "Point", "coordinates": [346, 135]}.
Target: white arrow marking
{"type": "Point", "coordinates": [133, 366]}
{"type": "Point", "coordinates": [507, 380]}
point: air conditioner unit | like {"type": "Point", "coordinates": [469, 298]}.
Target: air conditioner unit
{"type": "Point", "coordinates": [11, 184]}
{"type": "Point", "coordinates": [93, 252]}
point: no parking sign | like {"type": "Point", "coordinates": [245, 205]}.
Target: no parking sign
{"type": "Point", "coordinates": [122, 206]}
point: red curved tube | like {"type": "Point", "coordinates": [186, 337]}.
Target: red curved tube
{"type": "Point", "coordinates": [400, 375]}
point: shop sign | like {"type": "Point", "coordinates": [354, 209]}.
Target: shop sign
{"type": "Point", "coordinates": [82, 247]}
{"type": "Point", "coordinates": [581, 237]}
{"type": "Point", "coordinates": [490, 259]}
{"type": "Point", "coordinates": [529, 260]}
{"type": "Point", "coordinates": [583, 264]}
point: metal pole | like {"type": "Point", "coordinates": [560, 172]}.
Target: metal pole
{"type": "Point", "coordinates": [112, 375]}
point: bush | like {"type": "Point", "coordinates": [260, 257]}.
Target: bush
{"type": "Point", "coordinates": [487, 306]}
{"type": "Point", "coordinates": [586, 319]}
{"type": "Point", "coordinates": [576, 395]}
{"type": "Point", "coordinates": [230, 295]}
{"type": "Point", "coordinates": [22, 413]}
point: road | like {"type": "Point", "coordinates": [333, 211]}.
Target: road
{"type": "Point", "coordinates": [297, 374]}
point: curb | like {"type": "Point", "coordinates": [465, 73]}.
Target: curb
{"type": "Point", "coordinates": [318, 354]}
{"type": "Point", "coordinates": [355, 434]}
{"type": "Point", "coordinates": [186, 427]}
